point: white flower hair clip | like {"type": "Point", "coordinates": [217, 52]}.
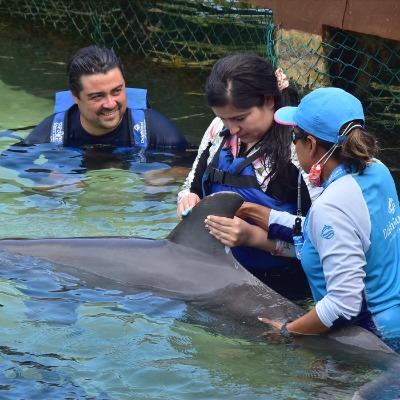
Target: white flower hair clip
{"type": "Point", "coordinates": [283, 81]}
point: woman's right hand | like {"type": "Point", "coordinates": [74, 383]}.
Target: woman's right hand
{"type": "Point", "coordinates": [187, 203]}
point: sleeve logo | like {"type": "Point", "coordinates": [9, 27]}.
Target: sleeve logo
{"type": "Point", "coordinates": [327, 232]}
{"type": "Point", "coordinates": [392, 206]}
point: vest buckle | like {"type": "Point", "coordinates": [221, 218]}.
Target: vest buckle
{"type": "Point", "coordinates": [218, 176]}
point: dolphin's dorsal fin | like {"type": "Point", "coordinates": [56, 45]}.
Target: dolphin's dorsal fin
{"type": "Point", "coordinates": [191, 231]}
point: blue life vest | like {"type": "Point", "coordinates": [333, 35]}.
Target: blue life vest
{"type": "Point", "coordinates": [136, 101]}
{"type": "Point", "coordinates": [237, 175]}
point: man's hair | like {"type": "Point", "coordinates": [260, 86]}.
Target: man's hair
{"type": "Point", "coordinates": [89, 61]}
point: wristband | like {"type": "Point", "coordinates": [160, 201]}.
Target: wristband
{"type": "Point", "coordinates": [284, 331]}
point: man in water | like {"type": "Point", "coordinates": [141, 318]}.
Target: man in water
{"type": "Point", "coordinates": [99, 109]}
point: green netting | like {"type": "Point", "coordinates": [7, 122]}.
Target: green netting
{"type": "Point", "coordinates": [184, 32]}
{"type": "Point", "coordinates": [364, 65]}
{"type": "Point", "coordinates": [193, 33]}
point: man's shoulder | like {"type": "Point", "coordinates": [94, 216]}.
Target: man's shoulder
{"type": "Point", "coordinates": [41, 133]}
{"type": "Point", "coordinates": [162, 132]}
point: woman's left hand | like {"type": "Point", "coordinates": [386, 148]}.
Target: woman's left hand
{"type": "Point", "coordinates": [274, 333]}
{"type": "Point", "coordinates": [308, 324]}
{"type": "Point", "coordinates": [235, 231]}
{"type": "Point", "coordinates": [231, 232]}
{"type": "Point", "coordinates": [274, 324]}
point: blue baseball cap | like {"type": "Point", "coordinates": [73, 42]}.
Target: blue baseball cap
{"type": "Point", "coordinates": [322, 113]}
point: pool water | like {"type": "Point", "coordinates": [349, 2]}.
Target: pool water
{"type": "Point", "coordinates": [48, 192]}
{"type": "Point", "coordinates": [62, 338]}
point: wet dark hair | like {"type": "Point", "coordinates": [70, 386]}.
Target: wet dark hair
{"type": "Point", "coordinates": [245, 80]}
{"type": "Point", "coordinates": [89, 61]}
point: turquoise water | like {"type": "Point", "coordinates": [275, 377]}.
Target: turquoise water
{"type": "Point", "coordinates": [60, 338]}
{"type": "Point", "coordinates": [51, 193]}
{"type": "Point", "coordinates": [63, 340]}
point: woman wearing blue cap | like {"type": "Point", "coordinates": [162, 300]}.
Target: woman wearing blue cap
{"type": "Point", "coordinates": [351, 249]}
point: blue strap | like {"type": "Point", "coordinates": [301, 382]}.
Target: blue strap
{"type": "Point", "coordinates": [57, 128]}
{"type": "Point", "coordinates": [137, 98]}
{"type": "Point", "coordinates": [64, 101]}
{"type": "Point", "coordinates": [139, 128]}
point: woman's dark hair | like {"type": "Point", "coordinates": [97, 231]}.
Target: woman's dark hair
{"type": "Point", "coordinates": [356, 151]}
{"type": "Point", "coordinates": [245, 80]}
{"type": "Point", "coordinates": [89, 61]}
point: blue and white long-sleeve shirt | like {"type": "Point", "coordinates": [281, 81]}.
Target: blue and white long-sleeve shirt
{"type": "Point", "coordinates": [351, 253]}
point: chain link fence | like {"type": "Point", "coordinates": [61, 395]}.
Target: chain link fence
{"type": "Point", "coordinates": [364, 65]}
{"type": "Point", "coordinates": [194, 34]}
{"type": "Point", "coordinates": [186, 33]}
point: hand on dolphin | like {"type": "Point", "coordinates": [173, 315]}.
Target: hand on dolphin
{"type": "Point", "coordinates": [274, 334]}
{"type": "Point", "coordinates": [307, 324]}
{"type": "Point", "coordinates": [187, 212]}
{"type": "Point", "coordinates": [186, 203]}
{"type": "Point", "coordinates": [235, 231]}
{"type": "Point", "coordinates": [274, 324]}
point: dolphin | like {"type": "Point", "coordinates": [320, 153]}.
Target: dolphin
{"type": "Point", "coordinates": [189, 264]}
